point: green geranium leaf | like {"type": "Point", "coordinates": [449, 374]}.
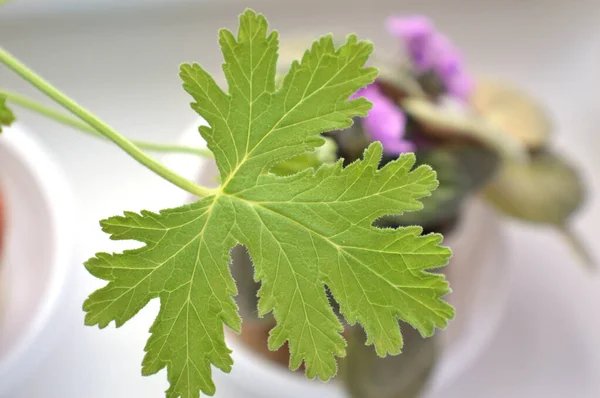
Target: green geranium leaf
{"type": "Point", "coordinates": [448, 122]}
{"type": "Point", "coordinates": [303, 231]}
{"type": "Point", "coordinates": [513, 111]}
{"type": "Point", "coordinates": [6, 115]}
{"type": "Point", "coordinates": [463, 169]}
{"type": "Point", "coordinates": [546, 190]}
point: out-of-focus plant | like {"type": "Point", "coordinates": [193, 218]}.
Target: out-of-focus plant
{"type": "Point", "coordinates": [486, 138]}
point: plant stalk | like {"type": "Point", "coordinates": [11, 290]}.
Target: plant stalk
{"type": "Point", "coordinates": [580, 250]}
{"type": "Point", "coordinates": [101, 127]}
{"type": "Point", "coordinates": [67, 120]}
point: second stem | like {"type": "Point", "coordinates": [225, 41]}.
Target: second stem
{"type": "Point", "coordinates": [101, 127]}
{"type": "Point", "coordinates": [79, 125]}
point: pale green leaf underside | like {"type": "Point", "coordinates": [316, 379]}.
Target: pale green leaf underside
{"type": "Point", "coordinates": [302, 231]}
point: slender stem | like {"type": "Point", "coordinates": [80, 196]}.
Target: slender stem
{"type": "Point", "coordinates": [156, 147]}
{"type": "Point", "coordinates": [67, 120]}
{"type": "Point", "coordinates": [577, 246]}
{"type": "Point", "coordinates": [107, 131]}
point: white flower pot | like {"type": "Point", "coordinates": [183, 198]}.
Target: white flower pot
{"type": "Point", "coordinates": [36, 254]}
{"type": "Point", "coordinates": [478, 273]}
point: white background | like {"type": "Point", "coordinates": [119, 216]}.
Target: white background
{"type": "Point", "coordinates": [122, 63]}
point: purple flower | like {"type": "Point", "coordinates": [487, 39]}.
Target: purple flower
{"type": "Point", "coordinates": [449, 67]}
{"type": "Point", "coordinates": [385, 121]}
{"type": "Point", "coordinates": [429, 50]}
{"type": "Point", "coordinates": [416, 32]}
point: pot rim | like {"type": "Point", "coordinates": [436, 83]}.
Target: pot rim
{"type": "Point", "coordinates": [54, 199]}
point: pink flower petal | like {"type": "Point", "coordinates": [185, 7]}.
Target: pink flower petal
{"type": "Point", "coordinates": [416, 33]}
{"type": "Point", "coordinates": [385, 121]}
{"type": "Point", "coordinates": [429, 50]}
{"type": "Point", "coordinates": [450, 68]}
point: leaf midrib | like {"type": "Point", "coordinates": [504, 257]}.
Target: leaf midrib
{"type": "Point", "coordinates": [232, 175]}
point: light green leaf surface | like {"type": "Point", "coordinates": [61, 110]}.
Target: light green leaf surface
{"type": "Point", "coordinates": [302, 231]}
{"type": "Point", "coordinates": [6, 115]}
{"type": "Point", "coordinates": [323, 154]}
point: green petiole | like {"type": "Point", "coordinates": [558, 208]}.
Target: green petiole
{"type": "Point", "coordinates": [67, 120]}
{"type": "Point", "coordinates": [98, 125]}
